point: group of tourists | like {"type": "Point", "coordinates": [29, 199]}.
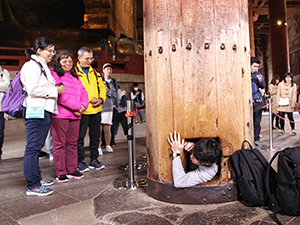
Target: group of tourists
{"type": "Point", "coordinates": [283, 94]}
{"type": "Point", "coordinates": [73, 99]}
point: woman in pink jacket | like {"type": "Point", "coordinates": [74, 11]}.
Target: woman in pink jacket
{"type": "Point", "coordinates": [65, 124]}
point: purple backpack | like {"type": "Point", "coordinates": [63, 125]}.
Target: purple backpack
{"type": "Point", "coordinates": [12, 101]}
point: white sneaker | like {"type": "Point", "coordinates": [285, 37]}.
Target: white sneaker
{"type": "Point", "coordinates": [109, 148]}
{"type": "Point", "coordinates": [100, 151]}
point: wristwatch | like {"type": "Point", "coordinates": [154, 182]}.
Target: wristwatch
{"type": "Point", "coordinates": [174, 154]}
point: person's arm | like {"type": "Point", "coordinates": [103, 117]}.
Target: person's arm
{"type": "Point", "coordinates": [83, 96]}
{"type": "Point", "coordinates": [272, 89]}
{"type": "Point", "coordinates": [143, 97]}
{"type": "Point", "coordinates": [200, 175]}
{"type": "Point", "coordinates": [102, 95]}
{"type": "Point", "coordinates": [31, 73]}
{"type": "Point", "coordinates": [132, 96]}
{"type": "Point", "coordinates": [261, 82]}
{"type": "Point", "coordinates": [294, 96]}
{"type": "Point", "coordinates": [278, 94]}
{"type": "Point", "coordinates": [113, 93]}
{"type": "Point", "coordinates": [5, 81]}
{"type": "Point", "coordinates": [115, 100]}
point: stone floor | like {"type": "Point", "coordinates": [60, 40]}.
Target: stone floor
{"type": "Point", "coordinates": [94, 200]}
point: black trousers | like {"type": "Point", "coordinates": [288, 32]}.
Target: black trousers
{"type": "Point", "coordinates": [123, 120]}
{"type": "Point", "coordinates": [291, 118]}
{"type": "Point", "coordinates": [93, 123]}
{"type": "Point", "coordinates": [257, 119]}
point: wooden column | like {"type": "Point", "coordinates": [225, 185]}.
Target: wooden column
{"type": "Point", "coordinates": [251, 28]}
{"type": "Point", "coordinates": [279, 37]}
{"type": "Point", "coordinates": [197, 82]}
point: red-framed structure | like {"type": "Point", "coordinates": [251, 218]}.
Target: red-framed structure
{"type": "Point", "coordinates": [12, 59]}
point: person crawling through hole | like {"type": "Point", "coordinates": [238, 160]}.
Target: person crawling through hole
{"type": "Point", "coordinates": [205, 153]}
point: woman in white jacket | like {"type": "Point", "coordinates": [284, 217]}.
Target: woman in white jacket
{"type": "Point", "coordinates": [4, 84]}
{"type": "Point", "coordinates": [39, 85]}
{"type": "Point", "coordinates": [286, 101]}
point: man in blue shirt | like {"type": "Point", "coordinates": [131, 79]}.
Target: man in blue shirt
{"type": "Point", "coordinates": [257, 83]}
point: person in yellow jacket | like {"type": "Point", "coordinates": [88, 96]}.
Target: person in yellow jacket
{"type": "Point", "coordinates": [91, 117]}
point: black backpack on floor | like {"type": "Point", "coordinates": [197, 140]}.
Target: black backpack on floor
{"type": "Point", "coordinates": [285, 196]}
{"type": "Point", "coordinates": [248, 167]}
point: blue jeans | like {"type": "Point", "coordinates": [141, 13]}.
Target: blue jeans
{"type": "Point", "coordinates": [36, 133]}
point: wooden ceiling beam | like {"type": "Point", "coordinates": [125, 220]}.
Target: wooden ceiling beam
{"type": "Point", "coordinates": [265, 10]}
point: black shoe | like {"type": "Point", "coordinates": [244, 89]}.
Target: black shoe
{"type": "Point", "coordinates": [95, 164]}
{"type": "Point", "coordinates": [82, 167]}
{"type": "Point", "coordinates": [76, 175]}
{"type": "Point", "coordinates": [43, 155]}
{"type": "Point", "coordinates": [62, 178]}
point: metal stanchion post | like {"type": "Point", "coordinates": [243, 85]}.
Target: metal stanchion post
{"type": "Point", "coordinates": [270, 100]}
{"type": "Point", "coordinates": [131, 184]}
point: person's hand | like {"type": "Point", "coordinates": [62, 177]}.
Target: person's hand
{"type": "Point", "coordinates": [82, 108]}
{"type": "Point", "coordinates": [189, 146]}
{"type": "Point", "coordinates": [176, 143]}
{"type": "Point", "coordinates": [60, 89]}
{"type": "Point", "coordinates": [137, 93]}
{"type": "Point", "coordinates": [76, 113]}
{"type": "Point", "coordinates": [96, 101]}
{"type": "Point", "coordinates": [259, 77]}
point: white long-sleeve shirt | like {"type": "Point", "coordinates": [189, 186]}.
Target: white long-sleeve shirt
{"type": "Point", "coordinates": [4, 82]}
{"type": "Point", "coordinates": [38, 86]}
{"type": "Point", "coordinates": [200, 175]}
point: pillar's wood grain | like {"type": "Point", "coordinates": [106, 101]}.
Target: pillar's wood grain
{"type": "Point", "coordinates": [197, 76]}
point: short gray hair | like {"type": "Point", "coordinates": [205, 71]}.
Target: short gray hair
{"type": "Point", "coordinates": [82, 50]}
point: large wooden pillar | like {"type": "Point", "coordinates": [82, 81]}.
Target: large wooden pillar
{"type": "Point", "coordinates": [251, 28]}
{"type": "Point", "coordinates": [279, 37]}
{"type": "Point", "coordinates": [198, 83]}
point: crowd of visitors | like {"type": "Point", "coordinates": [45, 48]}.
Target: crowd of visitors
{"type": "Point", "coordinates": [67, 100]}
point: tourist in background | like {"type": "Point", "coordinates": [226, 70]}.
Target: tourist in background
{"type": "Point", "coordinates": [107, 110]}
{"type": "Point", "coordinates": [286, 101]}
{"type": "Point", "coordinates": [273, 87]}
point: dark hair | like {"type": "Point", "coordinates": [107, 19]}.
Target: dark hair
{"type": "Point", "coordinates": [291, 75]}
{"type": "Point", "coordinates": [208, 150]}
{"type": "Point", "coordinates": [273, 81]}
{"type": "Point", "coordinates": [63, 54]}
{"type": "Point", "coordinates": [255, 60]}
{"type": "Point", "coordinates": [41, 43]}
{"type": "Point", "coordinates": [135, 84]}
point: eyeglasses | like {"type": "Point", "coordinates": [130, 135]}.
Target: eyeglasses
{"type": "Point", "coordinates": [51, 51]}
{"type": "Point", "coordinates": [66, 61]}
{"type": "Point", "coordinates": [89, 59]}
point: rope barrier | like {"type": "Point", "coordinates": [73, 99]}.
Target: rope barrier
{"type": "Point", "coordinates": [267, 105]}
{"type": "Point", "coordinates": [134, 115]}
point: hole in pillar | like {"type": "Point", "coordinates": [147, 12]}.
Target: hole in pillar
{"type": "Point", "coordinates": [188, 164]}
